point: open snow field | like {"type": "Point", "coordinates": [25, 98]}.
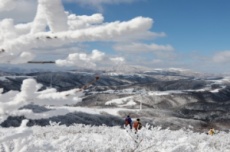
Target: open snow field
{"type": "Point", "coordinates": [83, 138]}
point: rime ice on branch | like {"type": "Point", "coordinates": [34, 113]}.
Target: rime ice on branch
{"type": "Point", "coordinates": [51, 13]}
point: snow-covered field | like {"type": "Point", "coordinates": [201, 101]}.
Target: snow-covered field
{"type": "Point", "coordinates": [83, 138]}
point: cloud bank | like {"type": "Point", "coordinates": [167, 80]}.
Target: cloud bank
{"type": "Point", "coordinates": [222, 57]}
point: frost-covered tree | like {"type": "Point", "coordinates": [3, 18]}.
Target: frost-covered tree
{"type": "Point", "coordinates": [12, 102]}
{"type": "Point", "coordinates": [53, 28]}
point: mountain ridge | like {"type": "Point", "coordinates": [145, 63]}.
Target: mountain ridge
{"type": "Point", "coordinates": [203, 100]}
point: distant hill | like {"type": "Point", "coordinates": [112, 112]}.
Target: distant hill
{"type": "Point", "coordinates": [172, 98]}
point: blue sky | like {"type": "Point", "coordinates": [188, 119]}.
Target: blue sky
{"type": "Point", "coordinates": [191, 34]}
{"type": "Point", "coordinates": [197, 29]}
{"type": "Point", "coordinates": [197, 25]}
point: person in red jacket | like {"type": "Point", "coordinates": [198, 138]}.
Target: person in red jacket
{"type": "Point", "coordinates": [137, 125]}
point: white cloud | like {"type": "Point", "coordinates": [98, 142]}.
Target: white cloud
{"type": "Point", "coordinates": [118, 60]}
{"type": "Point", "coordinates": [82, 59]}
{"type": "Point", "coordinates": [141, 47]}
{"type": "Point", "coordinates": [24, 57]}
{"type": "Point", "coordinates": [78, 22]}
{"type": "Point", "coordinates": [222, 57]}
{"type": "Point", "coordinates": [90, 60]}
{"type": "Point", "coordinates": [19, 10]}
{"type": "Point", "coordinates": [7, 5]}
{"type": "Point", "coordinates": [97, 55]}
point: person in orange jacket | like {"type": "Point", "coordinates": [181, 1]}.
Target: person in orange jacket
{"type": "Point", "coordinates": [137, 125]}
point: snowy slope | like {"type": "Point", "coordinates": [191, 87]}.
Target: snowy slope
{"type": "Point", "coordinates": [59, 138]}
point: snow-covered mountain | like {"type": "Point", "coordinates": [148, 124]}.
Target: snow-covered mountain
{"type": "Point", "coordinates": [172, 98]}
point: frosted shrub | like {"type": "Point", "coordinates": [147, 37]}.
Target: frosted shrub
{"type": "Point", "coordinates": [86, 138]}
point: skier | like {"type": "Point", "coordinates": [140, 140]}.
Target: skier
{"type": "Point", "coordinates": [128, 121]}
{"type": "Point", "coordinates": [137, 125]}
